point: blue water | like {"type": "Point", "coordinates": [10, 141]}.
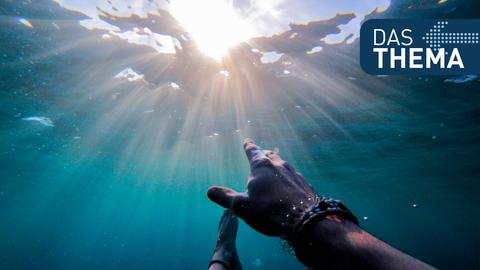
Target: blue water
{"type": "Point", "coordinates": [119, 181]}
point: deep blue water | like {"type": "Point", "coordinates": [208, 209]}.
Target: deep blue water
{"type": "Point", "coordinates": [119, 182]}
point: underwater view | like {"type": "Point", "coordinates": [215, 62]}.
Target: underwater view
{"type": "Point", "coordinates": [117, 116]}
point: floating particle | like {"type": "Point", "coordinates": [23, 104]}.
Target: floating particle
{"type": "Point", "coordinates": [25, 22]}
{"type": "Point", "coordinates": [415, 205]}
{"type": "Point", "coordinates": [40, 119]}
{"type": "Point", "coordinates": [174, 85]}
{"type": "Point", "coordinates": [224, 73]}
{"type": "Point", "coordinates": [434, 137]}
{"type": "Point", "coordinates": [77, 137]}
{"type": "Point", "coordinates": [148, 111]}
{"type": "Point", "coordinates": [286, 72]}
{"type": "Point", "coordinates": [215, 134]}
{"type": "Point", "coordinates": [257, 262]}
{"type": "Point", "coordinates": [56, 25]}
{"type": "Point", "coordinates": [352, 78]}
{"type": "Point", "coordinates": [366, 218]}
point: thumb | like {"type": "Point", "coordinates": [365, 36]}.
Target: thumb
{"type": "Point", "coordinates": [222, 196]}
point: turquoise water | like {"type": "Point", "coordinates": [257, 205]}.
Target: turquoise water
{"type": "Point", "coordinates": [118, 179]}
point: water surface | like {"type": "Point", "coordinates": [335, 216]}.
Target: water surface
{"type": "Point", "coordinates": [117, 178]}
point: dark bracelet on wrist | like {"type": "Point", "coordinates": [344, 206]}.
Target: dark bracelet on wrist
{"type": "Point", "coordinates": [324, 208]}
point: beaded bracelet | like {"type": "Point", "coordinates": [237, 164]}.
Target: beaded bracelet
{"type": "Point", "coordinates": [325, 207]}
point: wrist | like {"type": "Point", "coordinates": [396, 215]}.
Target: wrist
{"type": "Point", "coordinates": [325, 242]}
{"type": "Point", "coordinates": [321, 230]}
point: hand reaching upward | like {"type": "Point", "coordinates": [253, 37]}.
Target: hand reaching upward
{"type": "Point", "coordinates": [276, 195]}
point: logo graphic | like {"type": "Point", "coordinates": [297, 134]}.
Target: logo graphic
{"type": "Point", "coordinates": [420, 47]}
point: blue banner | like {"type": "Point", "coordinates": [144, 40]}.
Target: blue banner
{"type": "Point", "coordinates": [420, 46]}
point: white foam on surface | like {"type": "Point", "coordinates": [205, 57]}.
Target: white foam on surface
{"type": "Point", "coordinates": [270, 57]}
{"type": "Point", "coordinates": [129, 74]}
{"type": "Point", "coordinates": [145, 37]}
{"type": "Point", "coordinates": [264, 17]}
{"type": "Point", "coordinates": [315, 50]}
{"type": "Point", "coordinates": [97, 24]}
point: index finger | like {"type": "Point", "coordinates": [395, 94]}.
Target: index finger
{"type": "Point", "coordinates": [253, 151]}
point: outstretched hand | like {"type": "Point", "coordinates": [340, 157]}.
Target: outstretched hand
{"type": "Point", "coordinates": [276, 195]}
{"type": "Point", "coordinates": [275, 201]}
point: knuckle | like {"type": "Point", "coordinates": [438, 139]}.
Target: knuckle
{"type": "Point", "coordinates": [262, 162]}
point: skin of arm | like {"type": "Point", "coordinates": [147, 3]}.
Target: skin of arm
{"type": "Point", "coordinates": [217, 266]}
{"type": "Point", "coordinates": [225, 255]}
{"type": "Point", "coordinates": [276, 199]}
{"type": "Point", "coordinates": [337, 243]}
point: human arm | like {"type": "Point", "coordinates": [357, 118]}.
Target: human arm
{"type": "Point", "coordinates": [337, 243]}
{"type": "Point", "coordinates": [276, 201]}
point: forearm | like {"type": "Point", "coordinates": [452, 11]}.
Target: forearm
{"type": "Point", "coordinates": [217, 266]}
{"type": "Point", "coordinates": [340, 244]}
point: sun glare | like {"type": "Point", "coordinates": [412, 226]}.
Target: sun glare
{"type": "Point", "coordinates": [214, 25]}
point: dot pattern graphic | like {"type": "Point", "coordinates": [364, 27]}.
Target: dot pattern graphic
{"type": "Point", "coordinates": [436, 38]}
